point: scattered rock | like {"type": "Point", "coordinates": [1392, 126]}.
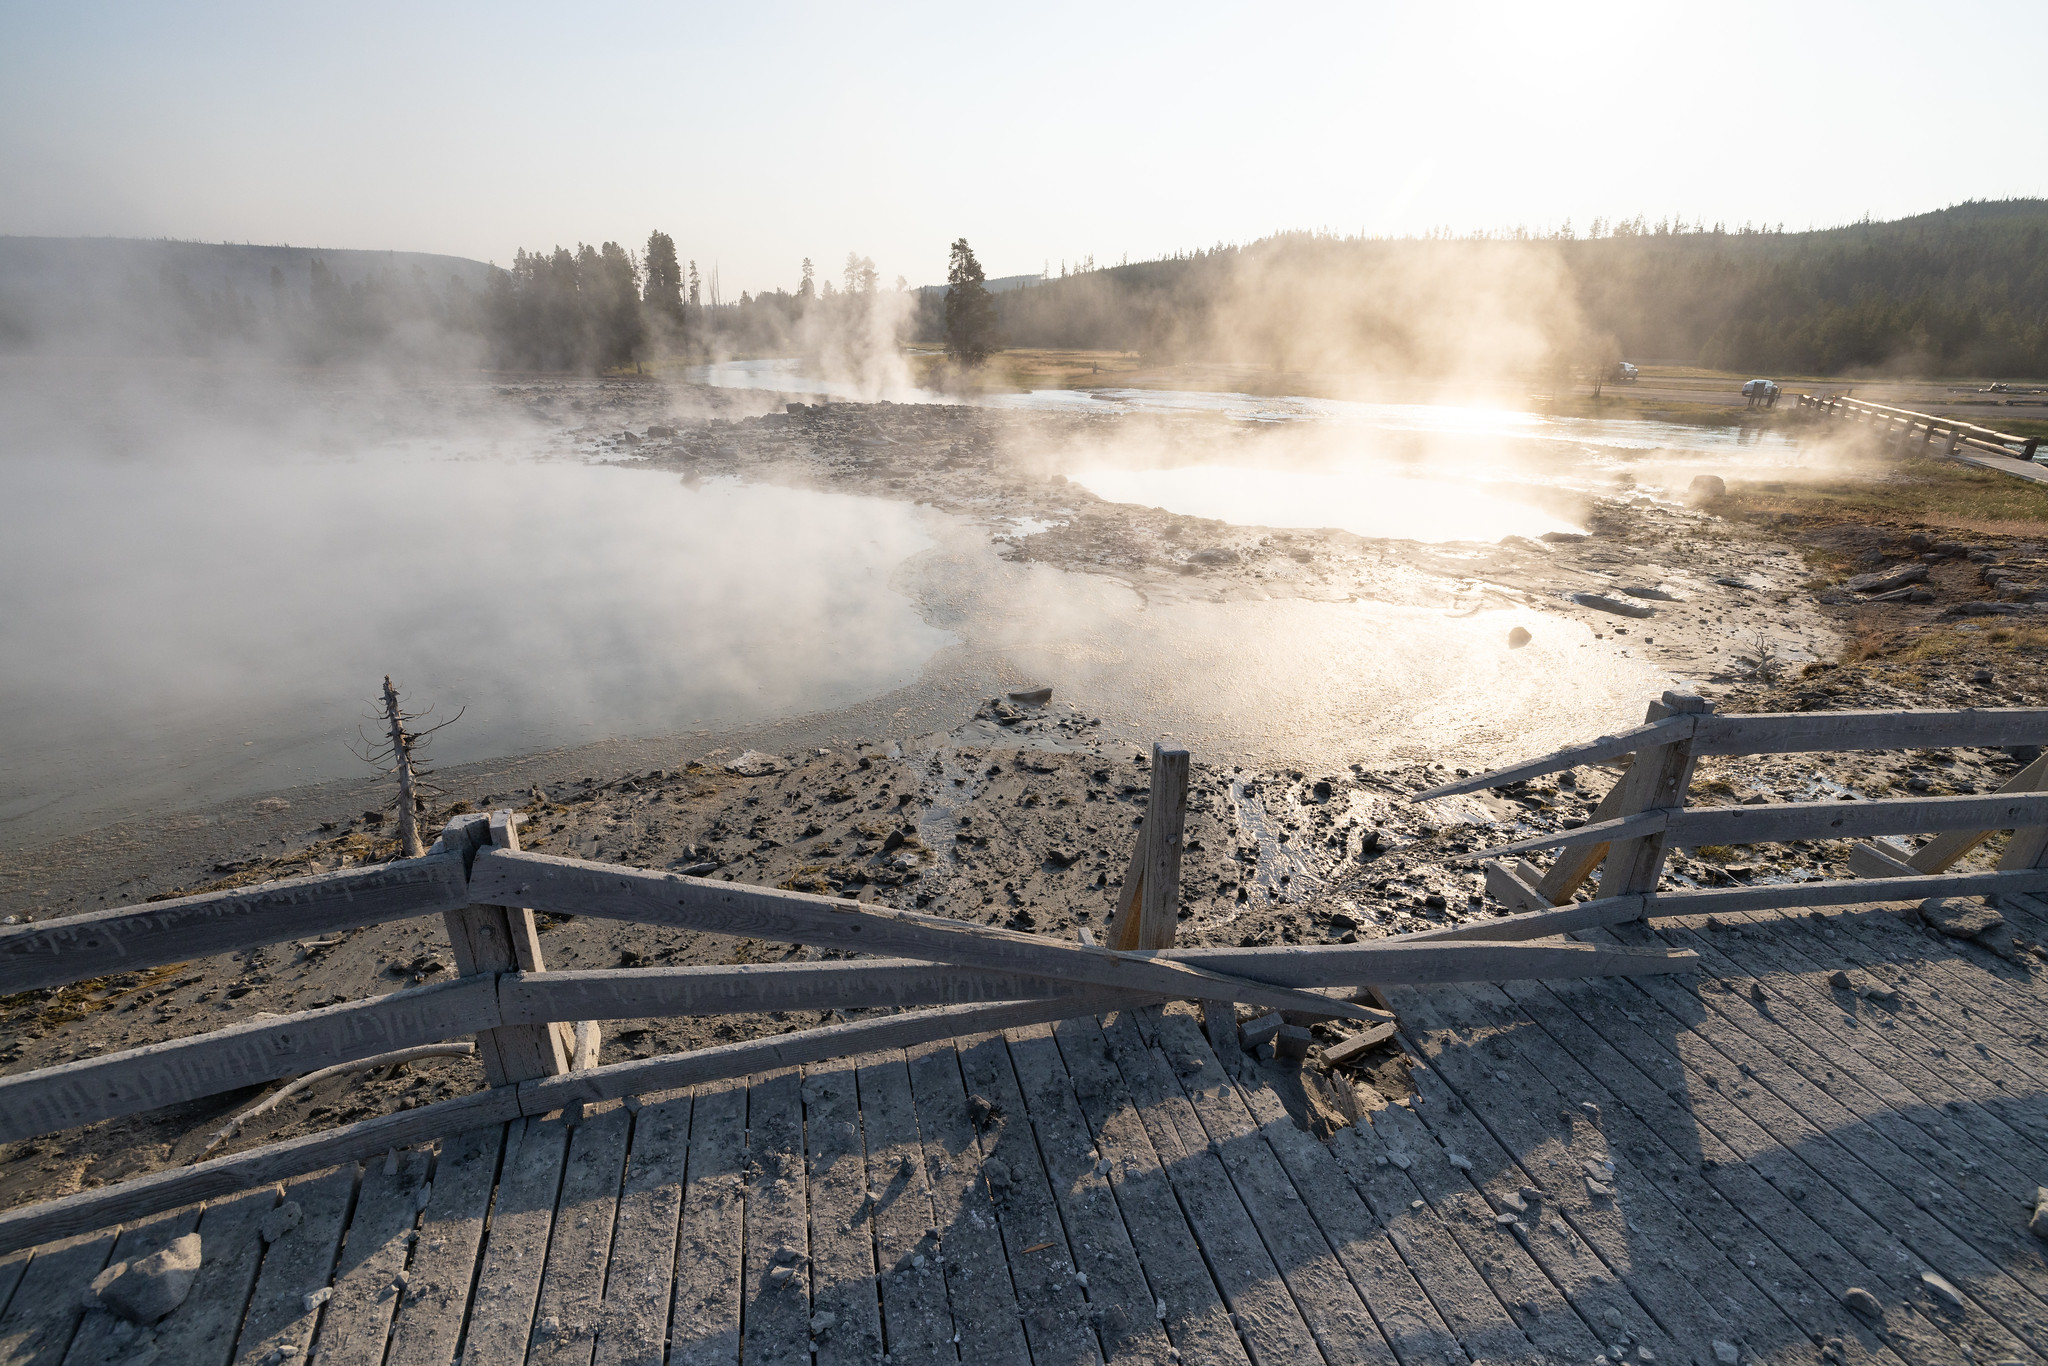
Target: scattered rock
{"type": "Point", "coordinates": [982, 1112]}
{"type": "Point", "coordinates": [1983, 609]}
{"type": "Point", "coordinates": [1840, 981]}
{"type": "Point", "coordinates": [1903, 595]}
{"type": "Point", "coordinates": [281, 1221]}
{"type": "Point", "coordinates": [314, 1299]}
{"type": "Point", "coordinates": [1960, 917]}
{"type": "Point", "coordinates": [146, 1290]}
{"type": "Point", "coordinates": [1705, 487]}
{"type": "Point", "coordinates": [1863, 1302]}
{"type": "Point", "coordinates": [1519, 637]}
{"type": "Point", "coordinates": [1727, 1353]}
{"type": "Point", "coordinates": [1885, 580]}
{"type": "Point", "coordinates": [1620, 607]}
{"type": "Point", "coordinates": [1942, 1289]}
{"type": "Point", "coordinates": [2038, 1225]}
{"type": "Point", "coordinates": [754, 764]}
{"type": "Point", "coordinates": [1031, 697]}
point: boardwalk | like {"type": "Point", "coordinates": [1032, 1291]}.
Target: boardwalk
{"type": "Point", "coordinates": [1669, 1169]}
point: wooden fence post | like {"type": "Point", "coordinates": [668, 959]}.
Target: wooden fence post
{"type": "Point", "coordinates": [1659, 776]}
{"type": "Point", "coordinates": [501, 939]}
{"type": "Point", "coordinates": [1148, 906]}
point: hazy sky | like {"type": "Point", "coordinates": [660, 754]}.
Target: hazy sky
{"type": "Point", "coordinates": [760, 134]}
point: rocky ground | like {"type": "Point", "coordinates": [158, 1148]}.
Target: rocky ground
{"type": "Point", "coordinates": [1023, 815]}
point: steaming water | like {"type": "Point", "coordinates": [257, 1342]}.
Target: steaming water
{"type": "Point", "coordinates": [1366, 503]}
{"type": "Point", "coordinates": [190, 631]}
{"type": "Point", "coordinates": [208, 583]}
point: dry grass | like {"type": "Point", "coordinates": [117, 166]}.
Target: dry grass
{"type": "Point", "coordinates": [1913, 492]}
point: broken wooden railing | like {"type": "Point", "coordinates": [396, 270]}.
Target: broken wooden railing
{"type": "Point", "coordinates": [1908, 430]}
{"type": "Point", "coordinates": [976, 979]}
{"type": "Point", "coordinates": [1645, 814]}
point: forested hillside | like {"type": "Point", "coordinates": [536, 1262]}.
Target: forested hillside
{"type": "Point", "coordinates": [1963, 291]}
{"type": "Point", "coordinates": [1960, 291]}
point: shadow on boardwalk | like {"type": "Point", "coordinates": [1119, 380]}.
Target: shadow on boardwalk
{"type": "Point", "coordinates": [1663, 1169]}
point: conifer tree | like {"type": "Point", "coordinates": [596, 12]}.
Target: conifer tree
{"type": "Point", "coordinates": [970, 311]}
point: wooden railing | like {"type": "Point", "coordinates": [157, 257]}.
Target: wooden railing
{"type": "Point", "coordinates": [1906, 429]}
{"type": "Point", "coordinates": [1646, 813]}
{"type": "Point", "coordinates": [979, 978]}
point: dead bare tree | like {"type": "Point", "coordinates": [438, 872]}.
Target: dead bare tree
{"type": "Point", "coordinates": [399, 753]}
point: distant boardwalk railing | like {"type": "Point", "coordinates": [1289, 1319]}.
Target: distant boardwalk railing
{"type": "Point", "coordinates": [977, 978]}
{"type": "Point", "coordinates": [1907, 430]}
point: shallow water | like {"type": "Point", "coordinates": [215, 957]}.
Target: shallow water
{"type": "Point", "coordinates": [1365, 501]}
{"type": "Point", "coordinates": [218, 628]}
{"type": "Point", "coordinates": [208, 582]}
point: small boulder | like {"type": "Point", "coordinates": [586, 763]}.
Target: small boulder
{"type": "Point", "coordinates": [2038, 1225]}
{"type": "Point", "coordinates": [1863, 1302]}
{"type": "Point", "coordinates": [1519, 637]}
{"type": "Point", "coordinates": [146, 1290]}
{"type": "Point", "coordinates": [1031, 697]}
{"type": "Point", "coordinates": [1960, 917]}
{"type": "Point", "coordinates": [281, 1221]}
{"type": "Point", "coordinates": [1621, 607]}
{"type": "Point", "coordinates": [754, 764]}
{"type": "Point", "coordinates": [1885, 580]}
{"type": "Point", "coordinates": [1705, 487]}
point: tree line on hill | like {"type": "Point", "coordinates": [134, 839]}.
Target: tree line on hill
{"type": "Point", "coordinates": [1963, 291]}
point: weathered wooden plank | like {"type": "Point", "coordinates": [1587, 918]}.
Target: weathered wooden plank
{"type": "Point", "coordinates": [299, 1262]}
{"type": "Point", "coordinates": [1505, 1120]}
{"type": "Point", "coordinates": [1665, 732]}
{"type": "Point", "coordinates": [1378, 1170]}
{"type": "Point", "coordinates": [1944, 849]}
{"type": "Point", "coordinates": [1715, 901]}
{"type": "Point", "coordinates": [491, 938]}
{"type": "Point", "coordinates": [158, 1074]}
{"type": "Point", "coordinates": [11, 1268]}
{"type": "Point", "coordinates": [1594, 834]}
{"type": "Point", "coordinates": [516, 1242]}
{"type": "Point", "coordinates": [1766, 1163]}
{"type": "Point", "coordinates": [1643, 1115]}
{"type": "Point", "coordinates": [576, 887]}
{"type": "Point", "coordinates": [436, 1298]}
{"type": "Point", "coordinates": [204, 1329]}
{"type": "Point", "coordinates": [1660, 777]}
{"type": "Point", "coordinates": [44, 1313]}
{"type": "Point", "coordinates": [777, 1309]}
{"type": "Point", "coordinates": [163, 1190]}
{"type": "Point", "coordinates": [1800, 732]}
{"type": "Point", "coordinates": [1563, 1330]}
{"type": "Point", "coordinates": [1262, 1308]}
{"type": "Point", "coordinates": [751, 988]}
{"type": "Point", "coordinates": [978, 1286]}
{"type": "Point", "coordinates": [1967, 1034]}
{"type": "Point", "coordinates": [103, 1339]}
{"type": "Point", "coordinates": [917, 1322]}
{"type": "Point", "coordinates": [1855, 1090]}
{"type": "Point", "coordinates": [1400, 1307]}
{"type": "Point", "coordinates": [726, 1061]}
{"type": "Point", "coordinates": [1989, 1294]}
{"type": "Point", "coordinates": [1165, 823]}
{"type": "Point", "coordinates": [1323, 1292]}
{"type": "Point", "coordinates": [1413, 960]}
{"type": "Point", "coordinates": [1118, 1297]}
{"type": "Point", "coordinates": [704, 1322]}
{"type": "Point", "coordinates": [130, 938]}
{"type": "Point", "coordinates": [1195, 1318]}
{"type": "Point", "coordinates": [846, 1315]}
{"type": "Point", "coordinates": [1057, 1325]}
{"type": "Point", "coordinates": [640, 1282]}
{"type": "Point", "coordinates": [356, 1324]}
{"type": "Point", "coordinates": [639, 993]}
{"type": "Point", "coordinates": [569, 1312]}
